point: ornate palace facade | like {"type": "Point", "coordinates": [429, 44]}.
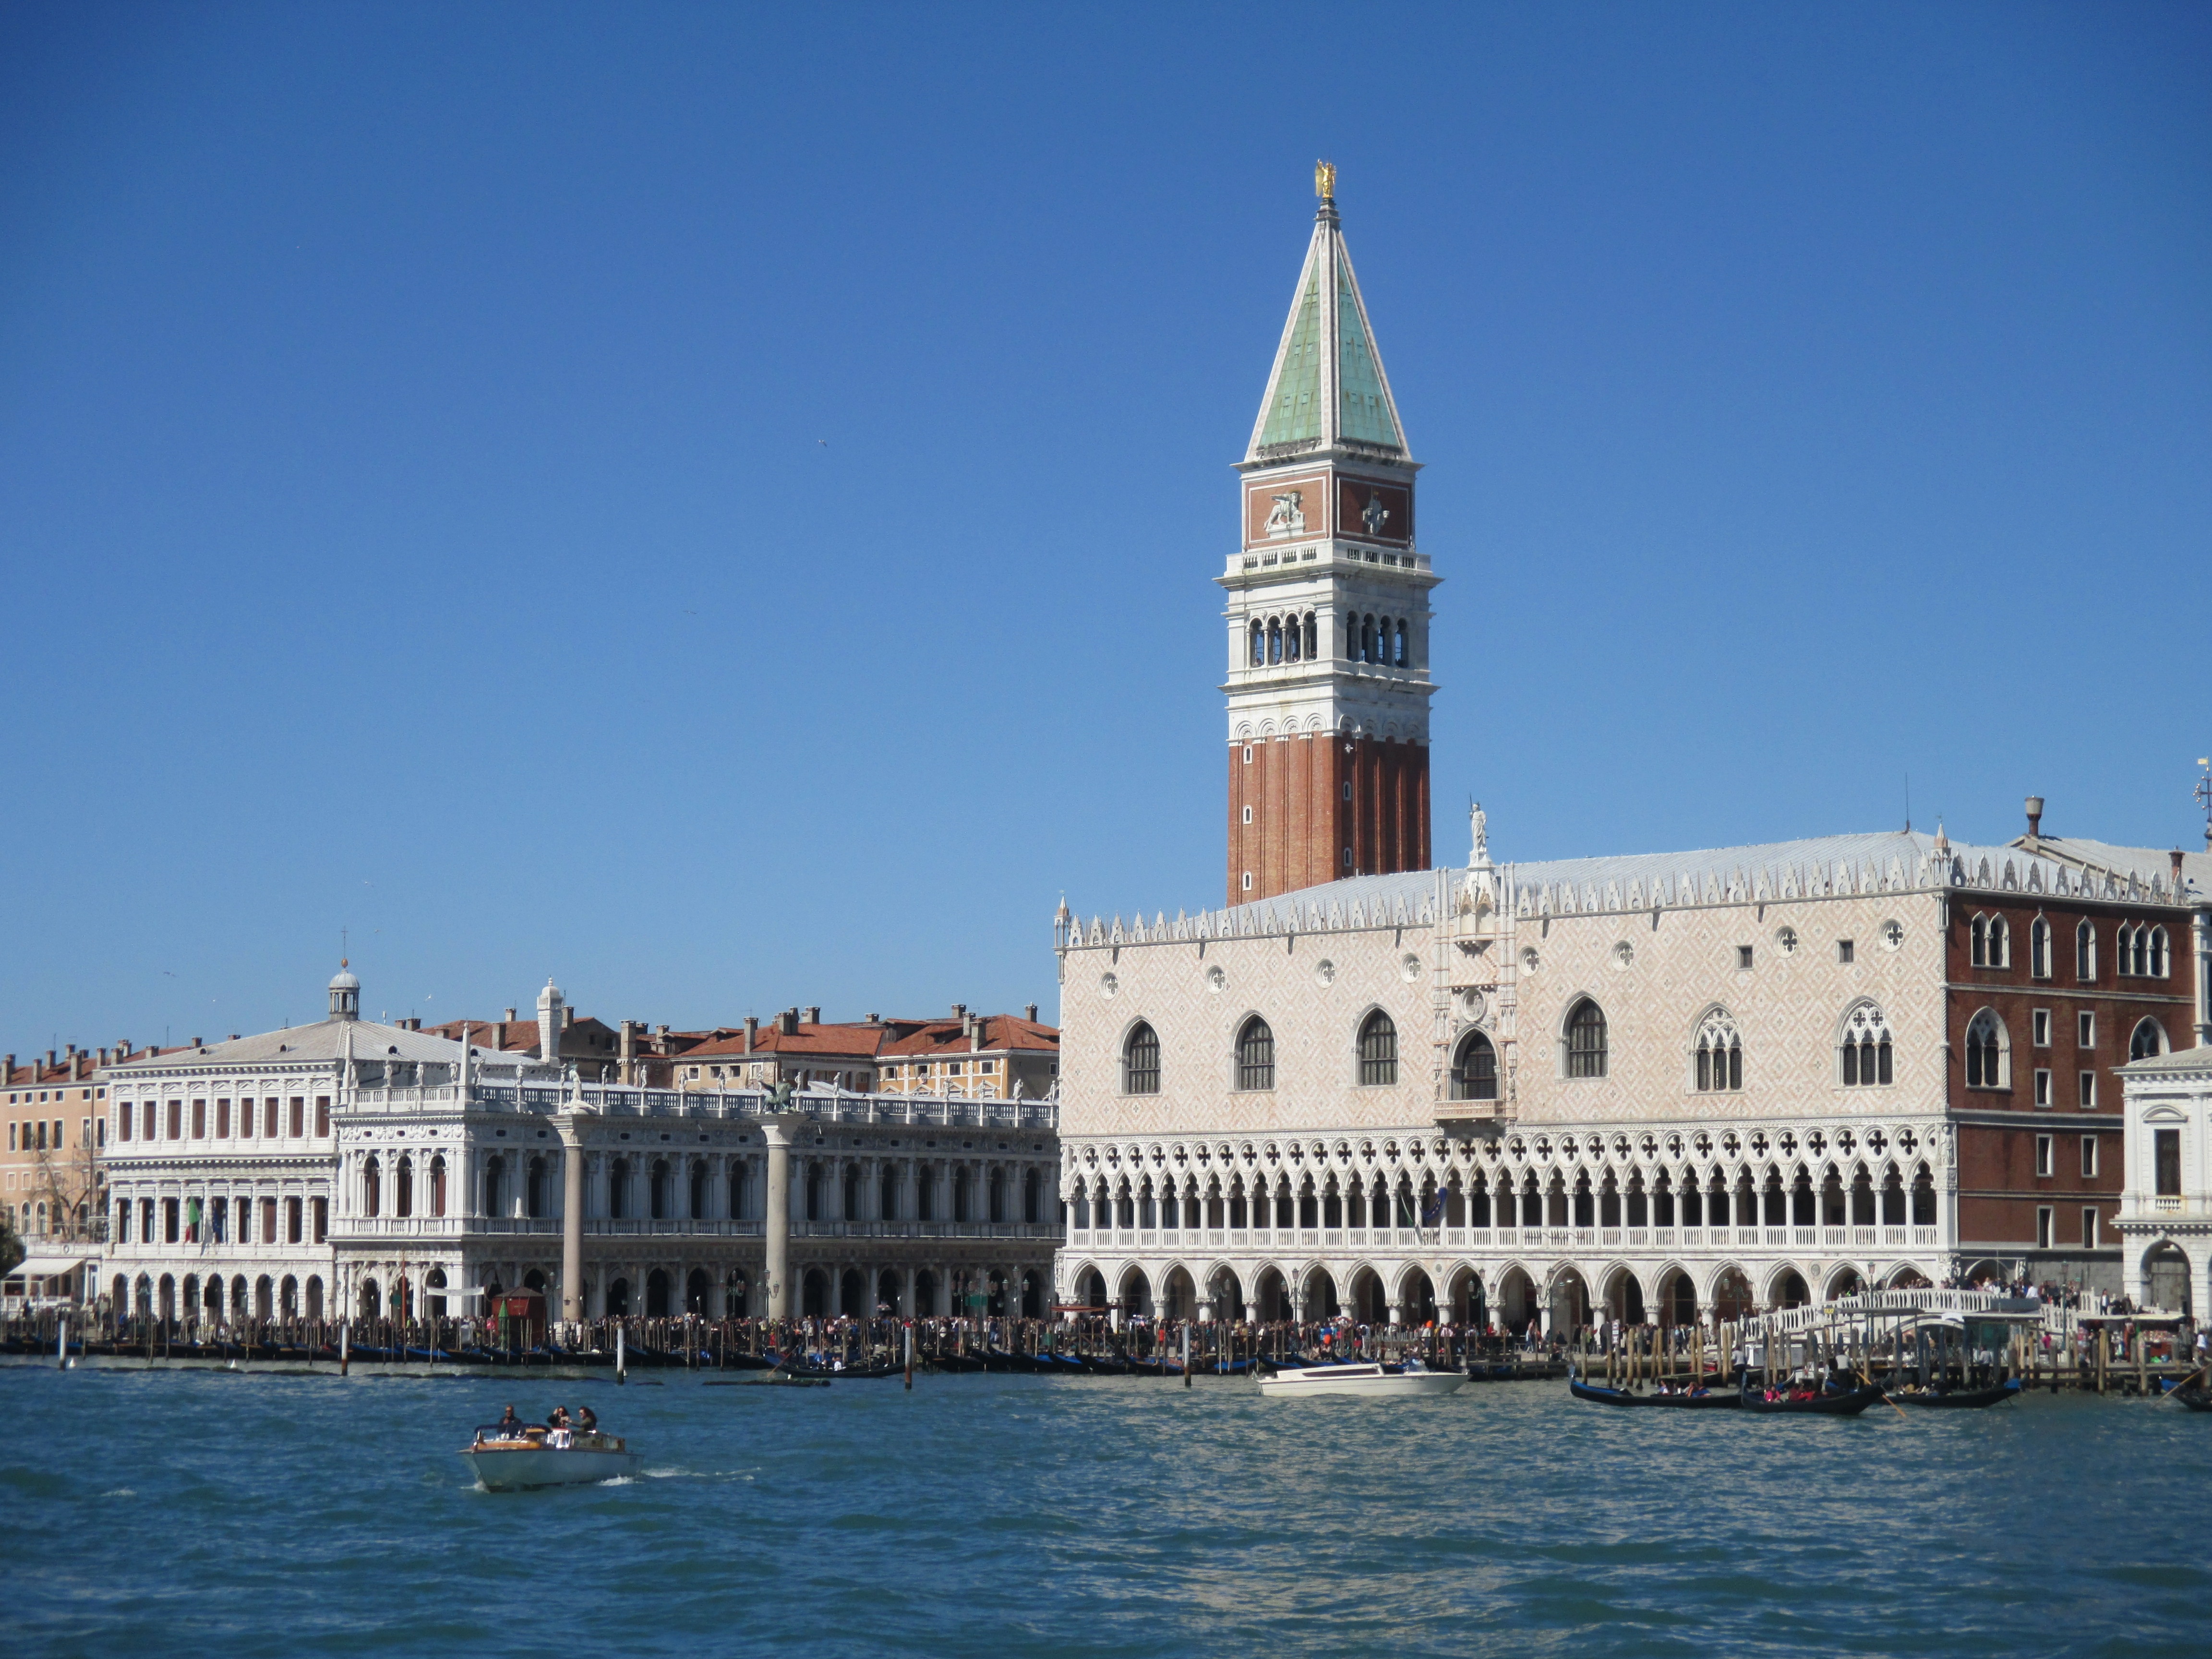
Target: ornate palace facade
{"type": "Point", "coordinates": [1665, 1085]}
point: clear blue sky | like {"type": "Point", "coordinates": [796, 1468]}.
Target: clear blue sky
{"type": "Point", "coordinates": [417, 517]}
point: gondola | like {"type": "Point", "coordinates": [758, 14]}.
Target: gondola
{"type": "Point", "coordinates": [1849, 1402]}
{"type": "Point", "coordinates": [1602, 1396]}
{"type": "Point", "coordinates": [1962, 1399]}
{"type": "Point", "coordinates": [2192, 1396]}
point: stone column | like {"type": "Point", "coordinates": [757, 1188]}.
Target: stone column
{"type": "Point", "coordinates": [572, 1216]}
{"type": "Point", "coordinates": [777, 1268]}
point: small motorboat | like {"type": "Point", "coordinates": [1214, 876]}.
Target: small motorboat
{"type": "Point", "coordinates": [1365, 1381]}
{"type": "Point", "coordinates": [1957, 1398]}
{"type": "Point", "coordinates": [507, 1461]}
{"type": "Point", "coordinates": [1704, 1399]}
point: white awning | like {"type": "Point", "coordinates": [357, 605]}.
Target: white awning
{"type": "Point", "coordinates": [46, 1266]}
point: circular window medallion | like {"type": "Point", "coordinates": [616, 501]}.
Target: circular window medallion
{"type": "Point", "coordinates": [1409, 966]}
{"type": "Point", "coordinates": [1892, 934]}
{"type": "Point", "coordinates": [1624, 954]}
{"type": "Point", "coordinates": [1472, 1005]}
{"type": "Point", "coordinates": [1324, 972]}
{"type": "Point", "coordinates": [1108, 986]}
{"type": "Point", "coordinates": [1785, 940]}
{"type": "Point", "coordinates": [1216, 981]}
{"type": "Point", "coordinates": [1528, 960]}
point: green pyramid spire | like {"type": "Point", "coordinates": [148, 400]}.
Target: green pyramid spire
{"type": "Point", "coordinates": [1328, 386]}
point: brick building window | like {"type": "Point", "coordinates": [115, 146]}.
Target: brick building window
{"type": "Point", "coordinates": [1992, 942]}
{"type": "Point", "coordinates": [2038, 948]}
{"type": "Point", "coordinates": [1987, 1052]}
{"type": "Point", "coordinates": [2088, 1092]}
{"type": "Point", "coordinates": [2044, 1157]}
{"type": "Point", "coordinates": [2089, 1227]}
{"type": "Point", "coordinates": [2038, 1024]}
{"type": "Point", "coordinates": [2149, 1039]}
{"type": "Point", "coordinates": [1378, 1049]}
{"type": "Point", "coordinates": [1140, 1060]}
{"type": "Point", "coordinates": [2045, 1216]}
{"type": "Point", "coordinates": [2085, 953]}
{"type": "Point", "coordinates": [2085, 1031]}
{"type": "Point", "coordinates": [2088, 1156]}
{"type": "Point", "coordinates": [2166, 1158]}
{"type": "Point", "coordinates": [2042, 1086]}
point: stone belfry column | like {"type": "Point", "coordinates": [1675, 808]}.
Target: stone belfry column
{"type": "Point", "coordinates": [777, 1269]}
{"type": "Point", "coordinates": [572, 1217]}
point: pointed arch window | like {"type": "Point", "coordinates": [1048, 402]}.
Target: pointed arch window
{"type": "Point", "coordinates": [1474, 1069]}
{"type": "Point", "coordinates": [2149, 1038]}
{"type": "Point", "coordinates": [1378, 1049]}
{"type": "Point", "coordinates": [1720, 1054]}
{"type": "Point", "coordinates": [2085, 953]}
{"type": "Point", "coordinates": [2157, 969]}
{"type": "Point", "coordinates": [1585, 1040]}
{"type": "Point", "coordinates": [1865, 1048]}
{"type": "Point", "coordinates": [1987, 1052]}
{"type": "Point", "coordinates": [1256, 1054]}
{"type": "Point", "coordinates": [1140, 1060]}
{"type": "Point", "coordinates": [2038, 948]}
{"type": "Point", "coordinates": [1992, 942]}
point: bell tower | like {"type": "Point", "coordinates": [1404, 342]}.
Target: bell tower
{"type": "Point", "coordinates": [1329, 610]}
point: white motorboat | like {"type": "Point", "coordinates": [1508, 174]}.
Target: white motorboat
{"type": "Point", "coordinates": [1365, 1381]}
{"type": "Point", "coordinates": [548, 1457]}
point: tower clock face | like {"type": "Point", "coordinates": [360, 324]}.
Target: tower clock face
{"type": "Point", "coordinates": [1373, 510]}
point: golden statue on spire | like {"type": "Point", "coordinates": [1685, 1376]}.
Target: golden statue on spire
{"type": "Point", "coordinates": [1325, 180]}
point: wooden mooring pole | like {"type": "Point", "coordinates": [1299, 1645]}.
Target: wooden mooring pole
{"type": "Point", "coordinates": [345, 1352]}
{"type": "Point", "coordinates": [909, 1357]}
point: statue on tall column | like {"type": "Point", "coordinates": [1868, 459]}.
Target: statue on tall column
{"type": "Point", "coordinates": [779, 1095]}
{"type": "Point", "coordinates": [1479, 825]}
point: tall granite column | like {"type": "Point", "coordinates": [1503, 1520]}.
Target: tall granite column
{"type": "Point", "coordinates": [777, 1268]}
{"type": "Point", "coordinates": [572, 1217]}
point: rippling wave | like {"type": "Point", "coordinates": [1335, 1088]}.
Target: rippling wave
{"type": "Point", "coordinates": [1072, 1517]}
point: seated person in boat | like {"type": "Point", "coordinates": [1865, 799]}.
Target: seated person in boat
{"type": "Point", "coordinates": [587, 1420]}
{"type": "Point", "coordinates": [558, 1418]}
{"type": "Point", "coordinates": [510, 1426]}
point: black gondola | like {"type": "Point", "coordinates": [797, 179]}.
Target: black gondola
{"type": "Point", "coordinates": [1962, 1399]}
{"type": "Point", "coordinates": [2193, 1396]}
{"type": "Point", "coordinates": [1707, 1401]}
{"type": "Point", "coordinates": [1848, 1402]}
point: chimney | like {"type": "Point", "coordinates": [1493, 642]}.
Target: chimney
{"type": "Point", "coordinates": [788, 1022]}
{"type": "Point", "coordinates": [499, 1033]}
{"type": "Point", "coordinates": [509, 1016]}
{"type": "Point", "coordinates": [567, 1017]}
{"type": "Point", "coordinates": [628, 1051]}
{"type": "Point", "coordinates": [2176, 872]}
{"type": "Point", "coordinates": [960, 1013]}
{"type": "Point", "coordinates": [752, 1031]}
{"type": "Point", "coordinates": [814, 1014]}
{"type": "Point", "coordinates": [978, 1028]}
{"type": "Point", "coordinates": [9, 1076]}
{"type": "Point", "coordinates": [1029, 1012]}
{"type": "Point", "coordinates": [51, 1066]}
{"type": "Point", "coordinates": [2035, 817]}
{"type": "Point", "coordinates": [77, 1059]}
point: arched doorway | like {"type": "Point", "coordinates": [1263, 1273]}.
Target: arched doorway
{"type": "Point", "coordinates": [814, 1294]}
{"type": "Point", "coordinates": [1844, 1281]}
{"type": "Point", "coordinates": [924, 1293]}
{"type": "Point", "coordinates": [372, 1303]}
{"type": "Point", "coordinates": [1320, 1299]}
{"type": "Point", "coordinates": [1271, 1297]}
{"type": "Point", "coordinates": [1368, 1307]}
{"type": "Point", "coordinates": [1624, 1300]}
{"type": "Point", "coordinates": [1789, 1290]}
{"type": "Point", "coordinates": [1468, 1302]}
{"type": "Point", "coordinates": [1908, 1279]}
{"type": "Point", "coordinates": [1678, 1299]}
{"type": "Point", "coordinates": [1571, 1303]}
{"type": "Point", "coordinates": [994, 1294]}
{"type": "Point", "coordinates": [1417, 1298]}
{"type": "Point", "coordinates": [1516, 1299]}
{"type": "Point", "coordinates": [656, 1294]}
{"type": "Point", "coordinates": [735, 1292]}
{"type": "Point", "coordinates": [853, 1293]}
{"type": "Point", "coordinates": [1178, 1296]}
{"type": "Point", "coordinates": [1136, 1297]}
{"type": "Point", "coordinates": [1227, 1296]}
{"type": "Point", "coordinates": [887, 1290]}
{"type": "Point", "coordinates": [1032, 1294]}
{"type": "Point", "coordinates": [433, 1285]}
{"type": "Point", "coordinates": [1090, 1290]}
{"type": "Point", "coordinates": [1732, 1297]}
{"type": "Point", "coordinates": [2166, 1279]}
{"type": "Point", "coordinates": [617, 1299]}
{"type": "Point", "coordinates": [698, 1285]}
